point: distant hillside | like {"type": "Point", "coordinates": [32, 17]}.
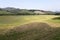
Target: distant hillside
{"type": "Point", "coordinates": [17, 11]}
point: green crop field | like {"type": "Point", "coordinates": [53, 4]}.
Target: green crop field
{"type": "Point", "coordinates": [10, 22]}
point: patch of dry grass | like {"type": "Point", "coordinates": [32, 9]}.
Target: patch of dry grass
{"type": "Point", "coordinates": [29, 28]}
{"type": "Point", "coordinates": [32, 31]}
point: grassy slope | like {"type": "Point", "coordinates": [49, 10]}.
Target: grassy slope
{"type": "Point", "coordinates": [56, 20]}
{"type": "Point", "coordinates": [7, 22]}
{"type": "Point", "coordinates": [22, 19]}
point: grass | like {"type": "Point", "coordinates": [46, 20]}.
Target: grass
{"type": "Point", "coordinates": [18, 19]}
{"type": "Point", "coordinates": [7, 22]}
{"type": "Point", "coordinates": [10, 22]}
{"type": "Point", "coordinates": [33, 31]}
{"type": "Point", "coordinates": [55, 19]}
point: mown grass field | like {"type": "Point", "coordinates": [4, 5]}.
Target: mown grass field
{"type": "Point", "coordinates": [11, 22]}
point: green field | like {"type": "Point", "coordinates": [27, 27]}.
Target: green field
{"type": "Point", "coordinates": [11, 22]}
{"type": "Point", "coordinates": [22, 19]}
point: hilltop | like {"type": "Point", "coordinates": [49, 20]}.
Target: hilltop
{"type": "Point", "coordinates": [17, 11]}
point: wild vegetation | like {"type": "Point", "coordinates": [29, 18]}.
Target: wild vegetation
{"type": "Point", "coordinates": [17, 11]}
{"type": "Point", "coordinates": [30, 27]}
{"type": "Point", "coordinates": [29, 24]}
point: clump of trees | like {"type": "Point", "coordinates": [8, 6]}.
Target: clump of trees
{"type": "Point", "coordinates": [17, 11]}
{"type": "Point", "coordinates": [57, 13]}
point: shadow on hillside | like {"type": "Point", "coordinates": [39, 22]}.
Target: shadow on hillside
{"type": "Point", "coordinates": [32, 31]}
{"type": "Point", "coordinates": [56, 18]}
